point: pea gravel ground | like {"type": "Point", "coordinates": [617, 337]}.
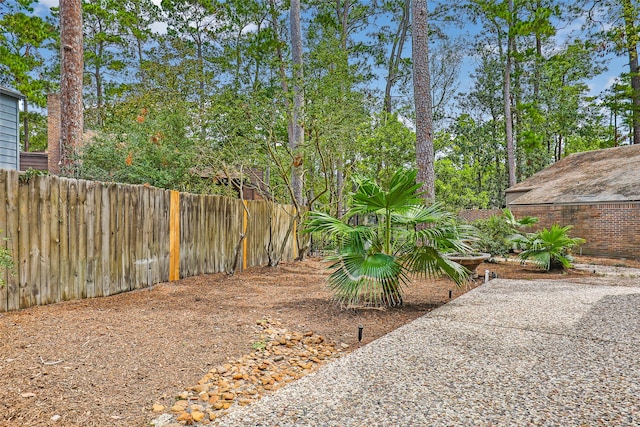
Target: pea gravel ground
{"type": "Point", "coordinates": [511, 352]}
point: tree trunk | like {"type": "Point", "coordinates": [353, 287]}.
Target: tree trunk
{"type": "Point", "coordinates": [339, 187]}
{"type": "Point", "coordinates": [422, 98]}
{"type": "Point", "coordinates": [508, 117]}
{"type": "Point", "coordinates": [281, 70]}
{"type": "Point", "coordinates": [298, 100]}
{"type": "Point", "coordinates": [396, 54]}
{"type": "Point", "coordinates": [631, 31]}
{"type": "Point", "coordinates": [71, 72]}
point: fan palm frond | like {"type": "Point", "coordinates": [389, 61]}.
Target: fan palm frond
{"type": "Point", "coordinates": [408, 237]}
{"type": "Point", "coordinates": [372, 279]}
{"type": "Point", "coordinates": [550, 247]}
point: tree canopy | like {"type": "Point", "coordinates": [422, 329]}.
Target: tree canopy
{"type": "Point", "coordinates": [180, 90]}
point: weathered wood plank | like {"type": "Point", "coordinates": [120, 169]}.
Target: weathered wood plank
{"type": "Point", "coordinates": [155, 246]}
{"type": "Point", "coordinates": [54, 240]}
{"type": "Point", "coordinates": [98, 234]}
{"type": "Point", "coordinates": [3, 234]}
{"type": "Point", "coordinates": [161, 237]}
{"type": "Point", "coordinates": [165, 235]}
{"type": "Point", "coordinates": [65, 269]}
{"type": "Point", "coordinates": [201, 236]}
{"type": "Point", "coordinates": [81, 272]}
{"type": "Point", "coordinates": [122, 232]}
{"type": "Point", "coordinates": [43, 185]}
{"type": "Point", "coordinates": [13, 226]}
{"type": "Point", "coordinates": [127, 251]}
{"type": "Point", "coordinates": [113, 242]}
{"type": "Point", "coordinates": [106, 237]}
{"type": "Point", "coordinates": [90, 227]}
{"type": "Point", "coordinates": [145, 236]}
{"type": "Point", "coordinates": [73, 289]}
{"type": "Point", "coordinates": [208, 265]}
{"type": "Point", "coordinates": [24, 245]}
{"type": "Point", "coordinates": [33, 278]}
{"type": "Point", "coordinates": [135, 237]}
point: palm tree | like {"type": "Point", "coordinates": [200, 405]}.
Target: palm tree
{"type": "Point", "coordinates": [401, 236]}
{"type": "Point", "coordinates": [549, 248]}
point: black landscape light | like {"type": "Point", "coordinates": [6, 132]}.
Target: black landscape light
{"type": "Point", "coordinates": [360, 328]}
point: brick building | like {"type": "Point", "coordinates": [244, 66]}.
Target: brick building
{"type": "Point", "coordinates": [598, 192]}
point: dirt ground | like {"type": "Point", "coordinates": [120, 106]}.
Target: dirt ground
{"type": "Point", "coordinates": [106, 361]}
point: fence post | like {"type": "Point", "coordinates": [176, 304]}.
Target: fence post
{"type": "Point", "coordinates": [174, 237]}
{"type": "Point", "coordinates": [244, 233]}
{"type": "Point", "coordinates": [295, 234]}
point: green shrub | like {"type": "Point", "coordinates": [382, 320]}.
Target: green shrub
{"type": "Point", "coordinates": [501, 234]}
{"type": "Point", "coordinates": [550, 248]}
{"type": "Point", "coordinates": [6, 262]}
{"type": "Point", "coordinates": [493, 235]}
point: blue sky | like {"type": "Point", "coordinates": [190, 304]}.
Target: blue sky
{"type": "Point", "coordinates": [615, 64]}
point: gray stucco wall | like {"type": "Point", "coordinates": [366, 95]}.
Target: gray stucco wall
{"type": "Point", "coordinates": [9, 131]}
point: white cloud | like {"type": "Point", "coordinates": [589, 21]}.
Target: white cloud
{"type": "Point", "coordinates": [159, 27]}
{"type": "Point", "coordinates": [251, 28]}
{"type": "Point", "coordinates": [49, 3]}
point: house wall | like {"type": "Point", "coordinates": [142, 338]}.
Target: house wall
{"type": "Point", "coordinates": [33, 160]}
{"type": "Point", "coordinates": [9, 128]}
{"type": "Point", "coordinates": [610, 229]}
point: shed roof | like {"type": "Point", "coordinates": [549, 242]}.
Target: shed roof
{"type": "Point", "coordinates": [609, 175]}
{"type": "Point", "coordinates": [10, 92]}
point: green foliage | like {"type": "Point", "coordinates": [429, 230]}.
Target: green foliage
{"type": "Point", "coordinates": [493, 235]}
{"type": "Point", "coordinates": [499, 234]}
{"type": "Point", "coordinates": [151, 145]}
{"type": "Point", "coordinates": [23, 37]}
{"type": "Point", "coordinates": [550, 248]}
{"type": "Point", "coordinates": [455, 186]}
{"type": "Point", "coordinates": [387, 147]}
{"type": "Point", "coordinates": [259, 345]}
{"type": "Point", "coordinates": [6, 261]}
{"type": "Point", "coordinates": [401, 236]}
{"type": "Point", "coordinates": [30, 173]}
{"type": "Point", "coordinates": [37, 123]}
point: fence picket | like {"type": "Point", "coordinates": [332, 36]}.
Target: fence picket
{"type": "Point", "coordinates": [13, 225]}
{"type": "Point", "coordinates": [42, 237]}
{"type": "Point", "coordinates": [3, 234]}
{"type": "Point", "coordinates": [54, 239]}
{"type": "Point", "coordinates": [90, 221]}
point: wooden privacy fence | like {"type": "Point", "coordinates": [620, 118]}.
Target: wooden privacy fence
{"type": "Point", "coordinates": [73, 239]}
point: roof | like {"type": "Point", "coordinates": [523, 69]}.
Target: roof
{"type": "Point", "coordinates": [10, 92]}
{"type": "Point", "coordinates": [609, 175]}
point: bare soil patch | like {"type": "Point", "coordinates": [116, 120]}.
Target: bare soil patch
{"type": "Point", "coordinates": [106, 361]}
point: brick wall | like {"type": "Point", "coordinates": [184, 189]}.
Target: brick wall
{"type": "Point", "coordinates": [53, 132]}
{"type": "Point", "coordinates": [471, 215]}
{"type": "Point", "coordinates": [610, 229]}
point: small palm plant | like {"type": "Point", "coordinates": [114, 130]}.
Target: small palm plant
{"type": "Point", "coordinates": [517, 238]}
{"type": "Point", "coordinates": [403, 236]}
{"type": "Point", "coordinates": [550, 248]}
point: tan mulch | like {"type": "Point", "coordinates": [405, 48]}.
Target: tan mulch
{"type": "Point", "coordinates": [107, 361]}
